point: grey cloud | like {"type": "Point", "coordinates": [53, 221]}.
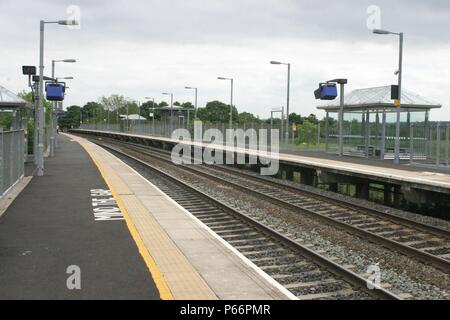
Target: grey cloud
{"type": "Point", "coordinates": [237, 21]}
{"type": "Point", "coordinates": [115, 33]}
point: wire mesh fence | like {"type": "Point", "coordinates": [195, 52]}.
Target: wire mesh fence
{"type": "Point", "coordinates": [310, 137]}
{"type": "Point", "coordinates": [12, 147]}
{"type": "Point", "coordinates": [429, 144]}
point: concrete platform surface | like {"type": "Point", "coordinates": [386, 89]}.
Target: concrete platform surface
{"type": "Point", "coordinates": [56, 241]}
{"type": "Point", "coordinates": [193, 261]}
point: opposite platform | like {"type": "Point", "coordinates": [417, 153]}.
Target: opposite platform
{"type": "Point", "coordinates": [379, 171]}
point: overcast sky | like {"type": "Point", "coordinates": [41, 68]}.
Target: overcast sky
{"type": "Point", "coordinates": [140, 48]}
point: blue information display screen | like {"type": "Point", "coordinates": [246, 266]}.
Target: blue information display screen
{"type": "Point", "coordinates": [55, 92]}
{"type": "Point", "coordinates": [328, 92]}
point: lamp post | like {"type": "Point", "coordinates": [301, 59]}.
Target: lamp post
{"type": "Point", "coordinates": [64, 78]}
{"type": "Point", "coordinates": [319, 94]}
{"type": "Point", "coordinates": [231, 100]}
{"type": "Point", "coordinates": [54, 118]}
{"type": "Point", "coordinates": [140, 109]}
{"type": "Point", "coordinates": [41, 116]}
{"type": "Point", "coordinates": [342, 83]}
{"type": "Point", "coordinates": [398, 102]}
{"type": "Point", "coordinates": [59, 106]}
{"type": "Point", "coordinates": [195, 102]}
{"type": "Point", "coordinates": [171, 109]}
{"type": "Point", "coordinates": [128, 119]}
{"type": "Point", "coordinates": [288, 94]}
{"type": "Point", "coordinates": [153, 107]}
{"type": "Point", "coordinates": [271, 119]}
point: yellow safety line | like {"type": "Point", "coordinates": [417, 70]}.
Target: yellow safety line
{"type": "Point", "coordinates": [156, 273]}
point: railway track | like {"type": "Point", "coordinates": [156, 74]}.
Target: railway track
{"type": "Point", "coordinates": [304, 272]}
{"type": "Point", "coordinates": [428, 244]}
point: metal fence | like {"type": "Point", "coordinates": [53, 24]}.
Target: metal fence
{"type": "Point", "coordinates": [312, 139]}
{"type": "Point", "coordinates": [12, 147]}
{"type": "Point", "coordinates": [429, 144]}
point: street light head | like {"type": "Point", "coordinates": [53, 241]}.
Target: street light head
{"type": "Point", "coordinates": [275, 62]}
{"type": "Point", "coordinates": [188, 87]}
{"type": "Point", "coordinates": [221, 78]}
{"type": "Point", "coordinates": [70, 60]}
{"type": "Point", "coordinates": [68, 22]}
{"type": "Point", "coordinates": [380, 31]}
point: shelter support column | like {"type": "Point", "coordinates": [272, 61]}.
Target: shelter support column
{"type": "Point", "coordinates": [427, 134]}
{"type": "Point", "coordinates": [383, 135]}
{"type": "Point", "coordinates": [366, 134]}
{"type": "Point", "coordinates": [377, 129]}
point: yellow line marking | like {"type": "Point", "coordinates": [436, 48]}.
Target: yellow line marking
{"type": "Point", "coordinates": [156, 273]}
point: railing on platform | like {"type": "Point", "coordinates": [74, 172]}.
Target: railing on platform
{"type": "Point", "coordinates": [429, 144]}
{"type": "Point", "coordinates": [12, 151]}
{"type": "Point", "coordinates": [312, 139]}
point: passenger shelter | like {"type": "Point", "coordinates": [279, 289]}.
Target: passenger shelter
{"type": "Point", "coordinates": [369, 122]}
{"type": "Point", "coordinates": [180, 115]}
{"type": "Point", "coordinates": [12, 109]}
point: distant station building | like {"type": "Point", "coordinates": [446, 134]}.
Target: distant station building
{"type": "Point", "coordinates": [180, 115]}
{"type": "Point", "coordinates": [131, 117]}
{"type": "Point", "coordinates": [369, 122]}
{"type": "Point", "coordinates": [130, 121]}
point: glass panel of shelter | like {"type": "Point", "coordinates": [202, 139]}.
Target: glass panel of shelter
{"type": "Point", "coordinates": [363, 132]}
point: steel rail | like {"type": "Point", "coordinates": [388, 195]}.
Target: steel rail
{"type": "Point", "coordinates": [348, 276]}
{"type": "Point", "coordinates": [422, 256]}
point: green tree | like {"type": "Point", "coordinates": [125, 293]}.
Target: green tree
{"type": "Point", "coordinates": [91, 112]}
{"type": "Point", "coordinates": [312, 118]}
{"type": "Point", "coordinates": [113, 105]}
{"type": "Point", "coordinates": [307, 133]}
{"type": "Point", "coordinates": [247, 118]}
{"type": "Point", "coordinates": [5, 120]}
{"type": "Point", "coordinates": [132, 107]}
{"type": "Point", "coordinates": [187, 105]}
{"type": "Point", "coordinates": [295, 118]}
{"type": "Point", "coordinates": [71, 118]}
{"type": "Point", "coordinates": [28, 96]}
{"type": "Point", "coordinates": [216, 112]}
{"type": "Point", "coordinates": [147, 108]}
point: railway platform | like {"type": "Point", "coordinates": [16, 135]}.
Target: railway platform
{"type": "Point", "coordinates": [416, 185]}
{"type": "Point", "coordinates": [94, 228]}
